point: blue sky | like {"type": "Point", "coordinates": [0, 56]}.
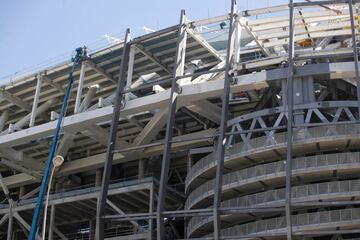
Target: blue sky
{"type": "Point", "coordinates": [35, 32]}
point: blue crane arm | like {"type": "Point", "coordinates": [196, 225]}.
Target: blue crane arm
{"type": "Point", "coordinates": [76, 59]}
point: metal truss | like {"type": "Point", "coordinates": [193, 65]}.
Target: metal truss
{"type": "Point", "coordinates": [157, 68]}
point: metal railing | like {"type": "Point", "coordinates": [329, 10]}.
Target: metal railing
{"type": "Point", "coordinates": [307, 221]}
{"type": "Point", "coordinates": [251, 175]}
{"type": "Point", "coordinates": [262, 144]}
{"type": "Point", "coordinates": [314, 192]}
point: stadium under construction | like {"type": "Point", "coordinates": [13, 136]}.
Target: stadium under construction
{"type": "Point", "coordinates": [241, 126]}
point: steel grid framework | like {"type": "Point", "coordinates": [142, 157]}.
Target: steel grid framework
{"type": "Point", "coordinates": [223, 137]}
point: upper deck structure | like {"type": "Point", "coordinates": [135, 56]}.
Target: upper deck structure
{"type": "Point", "coordinates": [231, 164]}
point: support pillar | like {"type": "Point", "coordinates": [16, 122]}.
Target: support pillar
{"type": "Point", "coordinates": [221, 141]}
{"type": "Point", "coordinates": [98, 175]}
{"type": "Point", "coordinates": [3, 118]}
{"type": "Point", "coordinates": [141, 171]}
{"type": "Point", "coordinates": [101, 203]}
{"type": "Point", "coordinates": [356, 53]}
{"type": "Point", "coordinates": [189, 162]}
{"type": "Point", "coordinates": [52, 222]}
{"type": "Point", "coordinates": [130, 71]}
{"type": "Point", "coordinates": [290, 100]}
{"type": "Point", "coordinates": [36, 100]}
{"type": "Point", "coordinates": [91, 229]}
{"type": "Point", "coordinates": [303, 93]}
{"type": "Point", "coordinates": [21, 191]}
{"type": "Point", "coordinates": [151, 210]}
{"type": "Point", "coordinates": [80, 87]}
{"type": "Point", "coordinates": [10, 229]}
{"type": "Point", "coordinates": [165, 164]}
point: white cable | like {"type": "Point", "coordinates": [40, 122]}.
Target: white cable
{"type": "Point", "coordinates": [47, 203]}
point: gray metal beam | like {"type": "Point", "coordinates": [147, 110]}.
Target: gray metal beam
{"type": "Point", "coordinates": [97, 161]}
{"type": "Point", "coordinates": [80, 87]}
{"type": "Point", "coordinates": [19, 158]}
{"type": "Point", "coordinates": [204, 43]}
{"type": "Point", "coordinates": [221, 141]}
{"type": "Point", "coordinates": [24, 223]}
{"type": "Point", "coordinates": [60, 234]}
{"type": "Point", "coordinates": [207, 109]}
{"type": "Point", "coordinates": [119, 211]}
{"type": "Point", "coordinates": [15, 100]}
{"type": "Point", "coordinates": [10, 230]}
{"type": "Point", "coordinates": [3, 119]}
{"type": "Point", "coordinates": [189, 94]}
{"type": "Point", "coordinates": [99, 70]}
{"type": "Point", "coordinates": [101, 136]}
{"type": "Point", "coordinates": [152, 128]}
{"type": "Point", "coordinates": [25, 120]}
{"type": "Point", "coordinates": [101, 205]}
{"type": "Point", "coordinates": [356, 53]}
{"type": "Point", "coordinates": [85, 104]}
{"type": "Point", "coordinates": [36, 101]}
{"type": "Point", "coordinates": [46, 79]}
{"type": "Point", "coordinates": [153, 58]}
{"type": "Point", "coordinates": [52, 222]}
{"type": "Point", "coordinates": [243, 23]}
{"type": "Point", "coordinates": [178, 71]}
{"type": "Point", "coordinates": [290, 100]}
{"type": "Point", "coordinates": [68, 137]}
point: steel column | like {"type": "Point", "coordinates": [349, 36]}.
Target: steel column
{"type": "Point", "coordinates": [130, 70]}
{"type": "Point", "coordinates": [221, 142]}
{"type": "Point", "coordinates": [36, 100]}
{"type": "Point", "coordinates": [80, 87]}
{"type": "Point", "coordinates": [356, 53]}
{"type": "Point", "coordinates": [10, 223]}
{"type": "Point", "coordinates": [3, 118]}
{"type": "Point", "coordinates": [151, 209]}
{"type": "Point", "coordinates": [178, 71]}
{"type": "Point", "coordinates": [52, 222]}
{"type": "Point", "coordinates": [290, 101]}
{"type": "Point", "coordinates": [101, 204]}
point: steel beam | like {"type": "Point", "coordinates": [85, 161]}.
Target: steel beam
{"type": "Point", "coordinates": [24, 223]}
{"type": "Point", "coordinates": [52, 222]}
{"type": "Point", "coordinates": [189, 94]}
{"type": "Point", "coordinates": [119, 211]}
{"type": "Point", "coordinates": [204, 43]}
{"type": "Point", "coordinates": [152, 128]}
{"type": "Point", "coordinates": [25, 120]}
{"type": "Point", "coordinates": [207, 109]}
{"type": "Point", "coordinates": [10, 230]}
{"type": "Point", "coordinates": [60, 234]}
{"type": "Point", "coordinates": [221, 140]}
{"type": "Point", "coordinates": [153, 58]}
{"type": "Point", "coordinates": [101, 204]}
{"type": "Point", "coordinates": [80, 87]}
{"type": "Point", "coordinates": [19, 158]}
{"type": "Point", "coordinates": [356, 53]}
{"type": "Point", "coordinates": [130, 70]}
{"type": "Point", "coordinates": [178, 71]}
{"type": "Point", "coordinates": [101, 136]}
{"type": "Point", "coordinates": [14, 100]}
{"type": "Point", "coordinates": [3, 119]}
{"type": "Point", "coordinates": [67, 139]}
{"type": "Point", "coordinates": [21, 167]}
{"type": "Point", "coordinates": [99, 70]}
{"type": "Point", "coordinates": [290, 100]}
{"type": "Point", "coordinates": [46, 79]}
{"type": "Point", "coordinates": [36, 100]}
{"type": "Point", "coordinates": [244, 24]}
{"type": "Point", "coordinates": [97, 161]}
{"type": "Point", "coordinates": [88, 99]}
